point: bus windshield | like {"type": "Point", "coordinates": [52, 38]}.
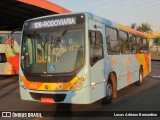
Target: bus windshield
{"type": "Point", "coordinates": [56, 51]}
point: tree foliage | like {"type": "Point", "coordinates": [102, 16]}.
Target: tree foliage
{"type": "Point", "coordinates": [156, 41]}
{"type": "Point", "coordinates": [133, 26]}
{"type": "Point", "coordinates": [144, 27]}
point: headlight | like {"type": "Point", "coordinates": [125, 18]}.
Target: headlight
{"type": "Point", "coordinates": [78, 85]}
{"type": "Point", "coordinates": [22, 84]}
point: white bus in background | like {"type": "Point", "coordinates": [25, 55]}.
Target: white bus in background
{"type": "Point", "coordinates": [9, 52]}
{"type": "Point", "coordinates": [4, 35]}
{"type": "Point", "coordinates": [5, 67]}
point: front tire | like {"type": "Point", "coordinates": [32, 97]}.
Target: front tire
{"type": "Point", "coordinates": [109, 94]}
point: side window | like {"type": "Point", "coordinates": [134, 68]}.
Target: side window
{"type": "Point", "coordinates": [96, 46]}
{"type": "Point", "coordinates": [145, 45]}
{"type": "Point", "coordinates": [3, 58]}
{"type": "Point", "coordinates": [3, 38]}
{"type": "Point", "coordinates": [17, 36]}
{"type": "Point", "coordinates": [125, 48]}
{"type": "Point", "coordinates": [132, 40]}
{"type": "Point", "coordinates": [139, 45]}
{"type": "Point", "coordinates": [112, 41]}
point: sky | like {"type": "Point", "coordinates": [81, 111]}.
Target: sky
{"type": "Point", "coordinates": [124, 12]}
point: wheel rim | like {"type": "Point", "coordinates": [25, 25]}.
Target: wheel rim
{"type": "Point", "coordinates": [109, 90]}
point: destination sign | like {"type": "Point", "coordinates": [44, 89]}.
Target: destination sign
{"type": "Point", "coordinates": [50, 22]}
{"type": "Point", "coordinates": [54, 23]}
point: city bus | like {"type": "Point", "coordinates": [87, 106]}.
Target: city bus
{"type": "Point", "coordinates": [9, 63]}
{"type": "Point", "coordinates": [80, 58]}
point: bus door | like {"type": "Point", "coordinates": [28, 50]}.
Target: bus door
{"type": "Point", "coordinates": [96, 59]}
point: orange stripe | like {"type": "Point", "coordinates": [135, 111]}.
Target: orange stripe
{"type": "Point", "coordinates": [143, 59]}
{"type": "Point", "coordinates": [129, 78]}
{"type": "Point", "coordinates": [31, 85]}
{"type": "Point", "coordinates": [146, 56]}
{"type": "Point", "coordinates": [50, 86]}
{"type": "Point", "coordinates": [46, 5]}
{"type": "Point", "coordinates": [122, 27]}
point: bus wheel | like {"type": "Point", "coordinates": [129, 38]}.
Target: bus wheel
{"type": "Point", "coordinates": [140, 81]}
{"type": "Point", "coordinates": [109, 94]}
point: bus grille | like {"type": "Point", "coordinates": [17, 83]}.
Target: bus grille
{"type": "Point", "coordinates": [55, 97]}
{"type": "Point", "coordinates": [49, 79]}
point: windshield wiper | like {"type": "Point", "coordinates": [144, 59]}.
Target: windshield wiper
{"type": "Point", "coordinates": [38, 36]}
{"type": "Point", "coordinates": [58, 38]}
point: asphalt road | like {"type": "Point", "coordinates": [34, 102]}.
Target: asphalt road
{"type": "Point", "coordinates": [131, 98]}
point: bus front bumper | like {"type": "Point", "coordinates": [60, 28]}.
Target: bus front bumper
{"type": "Point", "coordinates": [82, 96]}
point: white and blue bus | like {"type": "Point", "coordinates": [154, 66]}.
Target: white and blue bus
{"type": "Point", "coordinates": [80, 58]}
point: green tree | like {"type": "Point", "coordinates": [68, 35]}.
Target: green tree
{"type": "Point", "coordinates": [157, 43]}
{"type": "Point", "coordinates": [145, 27]}
{"type": "Point", "coordinates": [133, 25]}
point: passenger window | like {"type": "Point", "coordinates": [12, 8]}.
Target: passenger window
{"type": "Point", "coordinates": [112, 41]}
{"type": "Point", "coordinates": [139, 45]}
{"type": "Point", "coordinates": [145, 45]}
{"type": "Point", "coordinates": [125, 48]}
{"type": "Point", "coordinates": [132, 40]}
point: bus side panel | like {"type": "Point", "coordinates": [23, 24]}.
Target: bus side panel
{"type": "Point", "coordinates": [97, 81]}
{"type": "Point", "coordinates": [144, 60]}
{"type": "Point", "coordinates": [6, 69]}
{"type": "Point", "coordinates": [126, 68]}
{"type": "Point", "coordinates": [120, 65]}
{"type": "Point", "coordinates": [129, 68]}
{"type": "Point", "coordinates": [134, 68]}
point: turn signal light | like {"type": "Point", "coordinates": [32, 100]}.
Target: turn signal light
{"type": "Point", "coordinates": [22, 84]}
{"type": "Point", "coordinates": [78, 85]}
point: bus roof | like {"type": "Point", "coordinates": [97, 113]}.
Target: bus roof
{"type": "Point", "coordinates": [108, 22]}
{"type": "Point", "coordinates": [113, 24]}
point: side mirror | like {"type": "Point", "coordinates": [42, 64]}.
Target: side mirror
{"type": "Point", "coordinates": [12, 42]}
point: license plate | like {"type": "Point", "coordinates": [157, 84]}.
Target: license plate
{"type": "Point", "coordinates": [47, 100]}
